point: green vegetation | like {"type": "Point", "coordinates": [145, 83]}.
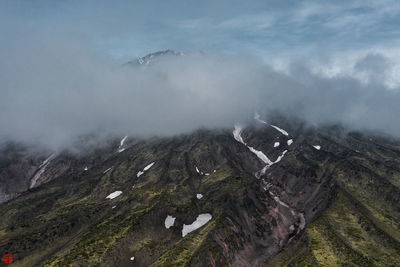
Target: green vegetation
{"type": "Point", "coordinates": [355, 196]}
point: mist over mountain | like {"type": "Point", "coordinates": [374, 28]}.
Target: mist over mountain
{"type": "Point", "coordinates": [54, 95]}
{"type": "Point", "coordinates": [200, 133]}
{"type": "Point", "coordinates": [63, 70]}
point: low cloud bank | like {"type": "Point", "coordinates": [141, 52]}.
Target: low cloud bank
{"type": "Point", "coordinates": [50, 94]}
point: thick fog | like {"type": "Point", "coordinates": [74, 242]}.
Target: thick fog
{"type": "Point", "coordinates": [50, 94]}
{"type": "Point", "coordinates": [63, 71]}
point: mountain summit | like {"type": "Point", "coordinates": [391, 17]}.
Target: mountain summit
{"type": "Point", "coordinates": [147, 59]}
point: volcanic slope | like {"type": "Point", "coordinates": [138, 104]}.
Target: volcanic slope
{"type": "Point", "coordinates": [335, 205]}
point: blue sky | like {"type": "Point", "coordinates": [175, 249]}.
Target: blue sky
{"type": "Point", "coordinates": [123, 28]}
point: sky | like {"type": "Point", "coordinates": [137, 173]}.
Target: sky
{"type": "Point", "coordinates": [61, 71]}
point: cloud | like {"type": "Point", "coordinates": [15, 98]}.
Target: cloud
{"type": "Point", "coordinates": [57, 90]}
{"type": "Point", "coordinates": [58, 81]}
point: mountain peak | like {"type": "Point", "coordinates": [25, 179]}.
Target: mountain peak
{"type": "Point", "coordinates": [147, 59]}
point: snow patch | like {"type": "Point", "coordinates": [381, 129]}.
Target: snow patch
{"type": "Point", "coordinates": [121, 145]}
{"type": "Point", "coordinates": [281, 202]}
{"type": "Point", "coordinates": [280, 157]}
{"type": "Point", "coordinates": [37, 176]}
{"type": "Point", "coordinates": [236, 134]}
{"type": "Point", "coordinates": [289, 142]}
{"type": "Point", "coordinates": [257, 118]}
{"type": "Point", "coordinates": [41, 170]}
{"type": "Point", "coordinates": [201, 220]}
{"type": "Point", "coordinates": [317, 147]}
{"type": "Point", "coordinates": [276, 144]}
{"type": "Point", "coordinates": [260, 155]}
{"type": "Point", "coordinates": [86, 168]}
{"type": "Point", "coordinates": [114, 194]}
{"type": "Point", "coordinates": [145, 169]}
{"type": "Point", "coordinates": [169, 221]}
{"type": "Point", "coordinates": [199, 196]}
{"type": "Point", "coordinates": [280, 130]}
{"type": "Point", "coordinates": [148, 166]}
{"type": "Point", "coordinates": [266, 167]}
{"type": "Point", "coordinates": [302, 221]}
{"type": "Point", "coordinates": [46, 161]}
{"type": "Point", "coordinates": [268, 163]}
{"type": "Point", "coordinates": [107, 170]}
{"type": "Point", "coordinates": [202, 173]}
{"type": "Point", "coordinates": [113, 207]}
{"type": "Point", "coordinates": [123, 141]}
{"type": "Point", "coordinates": [132, 258]}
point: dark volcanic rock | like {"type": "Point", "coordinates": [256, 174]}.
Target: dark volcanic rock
{"type": "Point", "coordinates": [334, 205]}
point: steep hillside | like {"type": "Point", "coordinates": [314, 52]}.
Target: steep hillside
{"type": "Point", "coordinates": [263, 195]}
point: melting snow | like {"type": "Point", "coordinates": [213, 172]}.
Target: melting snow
{"type": "Point", "coordinates": [121, 145]}
{"type": "Point", "coordinates": [169, 221]}
{"type": "Point", "coordinates": [257, 117]}
{"type": "Point", "coordinates": [148, 166]}
{"type": "Point", "coordinates": [317, 147]}
{"type": "Point", "coordinates": [199, 196]}
{"type": "Point", "coordinates": [46, 161]}
{"type": "Point", "coordinates": [37, 176]}
{"type": "Point", "coordinates": [145, 169]}
{"type": "Point", "coordinates": [289, 142]}
{"type": "Point", "coordinates": [107, 170]}
{"type": "Point", "coordinates": [263, 170]}
{"type": "Point", "coordinates": [302, 221]}
{"type": "Point", "coordinates": [202, 173]}
{"type": "Point", "coordinates": [123, 141]}
{"type": "Point", "coordinates": [281, 202]}
{"type": "Point", "coordinates": [259, 154]}
{"type": "Point", "coordinates": [236, 134]}
{"type": "Point", "coordinates": [280, 130]}
{"type": "Point", "coordinates": [114, 195]}
{"type": "Point", "coordinates": [280, 157]}
{"type": "Point", "coordinates": [201, 220]}
{"type": "Point", "coordinates": [276, 144]}
{"type": "Point", "coordinates": [41, 170]}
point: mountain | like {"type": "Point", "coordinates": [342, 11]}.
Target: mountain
{"type": "Point", "coordinates": [275, 193]}
{"type": "Point", "coordinates": [24, 167]}
{"type": "Point", "coordinates": [153, 57]}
